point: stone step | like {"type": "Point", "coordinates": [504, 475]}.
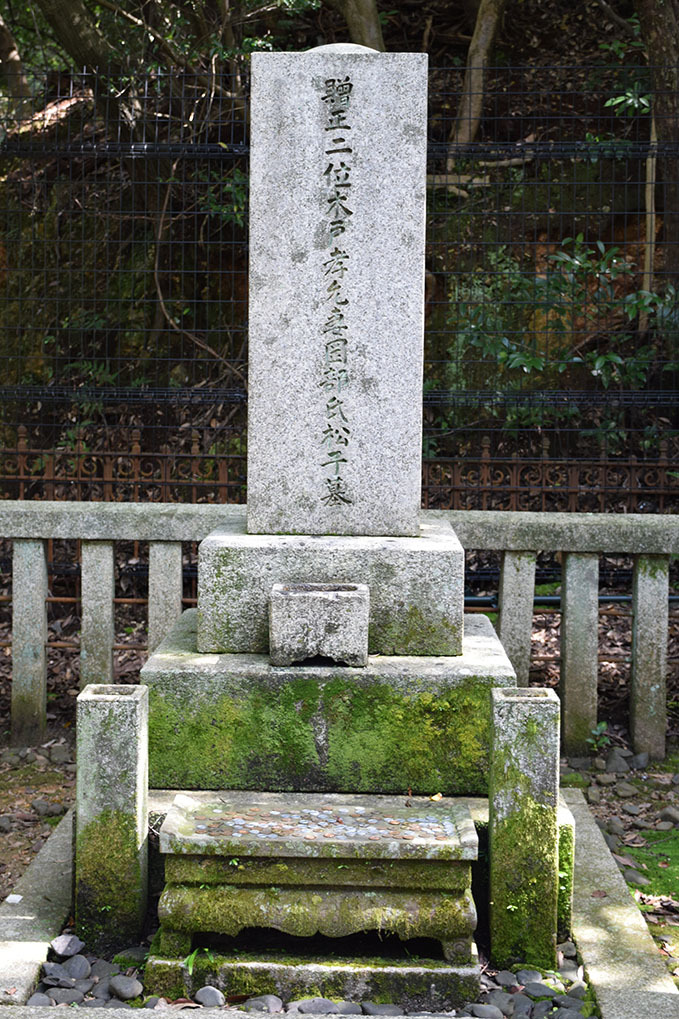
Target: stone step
{"type": "Point", "coordinates": [319, 825]}
{"type": "Point", "coordinates": [317, 863]}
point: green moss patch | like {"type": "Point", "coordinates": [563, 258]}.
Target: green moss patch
{"type": "Point", "coordinates": [327, 735]}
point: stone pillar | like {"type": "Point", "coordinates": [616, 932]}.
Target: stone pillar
{"type": "Point", "coordinates": [579, 649]}
{"type": "Point", "coordinates": [97, 588]}
{"type": "Point", "coordinates": [524, 839]}
{"type": "Point", "coordinates": [165, 589]}
{"type": "Point", "coordinates": [515, 619]}
{"type": "Point", "coordinates": [648, 694]}
{"type": "Point", "coordinates": [111, 815]}
{"type": "Point", "coordinates": [29, 639]}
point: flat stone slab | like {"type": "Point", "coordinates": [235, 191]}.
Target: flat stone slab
{"type": "Point", "coordinates": [416, 586]}
{"type": "Point", "coordinates": [318, 825]}
{"type": "Point", "coordinates": [418, 722]}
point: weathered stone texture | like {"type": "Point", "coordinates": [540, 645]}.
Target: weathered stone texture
{"type": "Point", "coordinates": [524, 843]}
{"type": "Point", "coordinates": [234, 721]}
{"type": "Point", "coordinates": [29, 638]}
{"type": "Point", "coordinates": [165, 589]}
{"type": "Point", "coordinates": [111, 814]}
{"type": "Point", "coordinates": [97, 621]}
{"type": "Point", "coordinates": [648, 680]}
{"type": "Point", "coordinates": [515, 618]}
{"type": "Point", "coordinates": [579, 649]}
{"type": "Point", "coordinates": [336, 291]}
{"type": "Point", "coordinates": [331, 620]}
{"type": "Point", "coordinates": [416, 586]}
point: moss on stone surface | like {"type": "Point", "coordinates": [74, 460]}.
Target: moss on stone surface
{"type": "Point", "coordinates": [566, 864]}
{"type": "Point", "coordinates": [524, 867]}
{"type": "Point", "coordinates": [413, 633]}
{"type": "Point", "coordinates": [303, 912]}
{"type": "Point", "coordinates": [110, 883]}
{"type": "Point", "coordinates": [330, 734]}
{"type": "Point", "coordinates": [413, 983]}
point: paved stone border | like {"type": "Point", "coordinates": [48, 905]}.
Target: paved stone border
{"type": "Point", "coordinates": [622, 963]}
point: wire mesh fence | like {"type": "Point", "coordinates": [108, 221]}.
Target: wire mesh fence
{"type": "Point", "coordinates": [552, 329]}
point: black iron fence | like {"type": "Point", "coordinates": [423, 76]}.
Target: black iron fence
{"type": "Point", "coordinates": [552, 326]}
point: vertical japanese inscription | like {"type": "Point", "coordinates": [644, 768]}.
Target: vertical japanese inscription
{"type": "Point", "coordinates": [336, 95]}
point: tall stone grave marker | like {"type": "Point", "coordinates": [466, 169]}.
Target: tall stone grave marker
{"type": "Point", "coordinates": [337, 214]}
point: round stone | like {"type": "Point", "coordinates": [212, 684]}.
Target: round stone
{"type": "Point", "coordinates": [40, 999]}
{"type": "Point", "coordinates": [66, 945]}
{"type": "Point", "coordinates": [210, 997]}
{"type": "Point", "coordinates": [263, 1003]}
{"type": "Point", "coordinates": [77, 966]}
{"type": "Point", "coordinates": [125, 987]}
{"type": "Point", "coordinates": [317, 1006]}
{"type": "Point", "coordinates": [66, 995]}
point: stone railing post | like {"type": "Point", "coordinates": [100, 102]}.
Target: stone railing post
{"type": "Point", "coordinates": [97, 588]}
{"type": "Point", "coordinates": [165, 589]}
{"type": "Point", "coordinates": [579, 649]}
{"type": "Point", "coordinates": [29, 639]}
{"type": "Point", "coordinates": [524, 838]}
{"type": "Point", "coordinates": [515, 619]}
{"type": "Point", "coordinates": [111, 815]}
{"type": "Point", "coordinates": [648, 694]}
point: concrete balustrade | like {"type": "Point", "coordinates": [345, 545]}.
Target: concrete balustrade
{"type": "Point", "coordinates": [581, 538]}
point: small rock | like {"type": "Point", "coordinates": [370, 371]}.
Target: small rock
{"type": "Point", "coordinates": [633, 877]}
{"type": "Point", "coordinates": [538, 989]}
{"type": "Point", "coordinates": [263, 1003]}
{"type": "Point", "coordinates": [664, 826]}
{"type": "Point", "coordinates": [60, 754]}
{"type": "Point", "coordinates": [85, 985]}
{"type": "Point", "coordinates": [606, 779]}
{"type": "Point", "coordinates": [641, 824]}
{"type": "Point", "coordinates": [615, 826]}
{"type": "Point", "coordinates": [56, 810]}
{"type": "Point", "coordinates": [77, 966]}
{"type": "Point", "coordinates": [625, 791]}
{"type": "Point", "coordinates": [639, 761]}
{"type": "Point", "coordinates": [67, 945]}
{"type": "Point", "coordinates": [6, 823]}
{"type": "Point", "coordinates": [152, 1001]}
{"type": "Point", "coordinates": [522, 1006]}
{"type": "Point", "coordinates": [566, 1013]}
{"type": "Point", "coordinates": [624, 752]}
{"type": "Point", "coordinates": [350, 1008]}
{"type": "Point", "coordinates": [40, 999]}
{"type": "Point", "coordinates": [567, 1001]}
{"type": "Point", "coordinates": [577, 990]}
{"type": "Point", "coordinates": [103, 968]}
{"type": "Point", "coordinates": [486, 1012]}
{"type": "Point", "coordinates": [134, 955]}
{"type": "Point", "coordinates": [125, 987]}
{"type": "Point", "coordinates": [631, 808]}
{"type": "Point", "coordinates": [41, 807]}
{"type": "Point", "coordinates": [670, 814]}
{"type": "Point", "coordinates": [373, 1008]}
{"type": "Point", "coordinates": [612, 841]}
{"type": "Point", "coordinates": [567, 949]}
{"type": "Point", "coordinates": [593, 794]}
{"type": "Point", "coordinates": [569, 969]}
{"type": "Point", "coordinates": [67, 995]}
{"type": "Point", "coordinates": [503, 1001]}
{"type": "Point", "coordinates": [525, 976]}
{"type": "Point", "coordinates": [541, 1009]}
{"type": "Point", "coordinates": [599, 764]}
{"type": "Point", "coordinates": [616, 763]}
{"type": "Point", "coordinates": [506, 978]}
{"type": "Point", "coordinates": [211, 997]}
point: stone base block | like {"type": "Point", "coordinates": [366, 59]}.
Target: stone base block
{"type": "Point", "coordinates": [330, 620]}
{"type": "Point", "coordinates": [423, 984]}
{"type": "Point", "coordinates": [416, 586]}
{"type": "Point", "coordinates": [234, 721]}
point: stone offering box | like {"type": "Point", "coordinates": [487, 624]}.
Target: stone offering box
{"type": "Point", "coordinates": [327, 711]}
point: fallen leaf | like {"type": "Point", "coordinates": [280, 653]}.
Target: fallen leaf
{"type": "Point", "coordinates": [436, 797]}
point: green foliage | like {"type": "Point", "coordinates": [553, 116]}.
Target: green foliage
{"type": "Point", "coordinates": [190, 960]}
{"type": "Point", "coordinates": [599, 738]}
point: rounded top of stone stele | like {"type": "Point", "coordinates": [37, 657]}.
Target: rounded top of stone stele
{"type": "Point", "coordinates": [342, 47]}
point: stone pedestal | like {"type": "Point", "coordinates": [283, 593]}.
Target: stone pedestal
{"type": "Point", "coordinates": [416, 586]}
{"type": "Point", "coordinates": [236, 721]}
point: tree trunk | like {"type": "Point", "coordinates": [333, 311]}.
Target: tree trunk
{"type": "Point", "coordinates": [660, 31]}
{"type": "Point", "coordinates": [362, 21]}
{"type": "Point", "coordinates": [12, 68]}
{"type": "Point", "coordinates": [471, 101]}
{"type": "Point", "coordinates": [76, 32]}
